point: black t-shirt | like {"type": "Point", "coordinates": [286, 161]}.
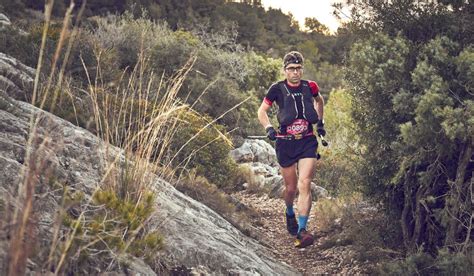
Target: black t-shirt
{"type": "Point", "coordinates": [274, 94]}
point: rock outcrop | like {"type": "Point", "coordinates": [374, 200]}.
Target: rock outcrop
{"type": "Point", "coordinates": [195, 236]}
{"type": "Point", "coordinates": [15, 78]}
{"type": "Point", "coordinates": [4, 21]}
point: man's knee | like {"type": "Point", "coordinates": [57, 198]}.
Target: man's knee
{"type": "Point", "coordinates": [290, 189]}
{"type": "Point", "coordinates": [305, 185]}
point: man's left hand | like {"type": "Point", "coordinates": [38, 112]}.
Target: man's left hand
{"type": "Point", "coordinates": [320, 128]}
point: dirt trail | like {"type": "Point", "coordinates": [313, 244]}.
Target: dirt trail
{"type": "Point", "coordinates": [314, 260]}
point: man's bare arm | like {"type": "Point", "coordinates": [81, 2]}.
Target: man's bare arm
{"type": "Point", "coordinates": [263, 116]}
{"type": "Point", "coordinates": [319, 106]}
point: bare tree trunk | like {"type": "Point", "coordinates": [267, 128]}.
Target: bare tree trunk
{"type": "Point", "coordinates": [405, 220]}
{"type": "Point", "coordinates": [470, 200]}
{"type": "Point", "coordinates": [419, 216]}
{"type": "Point", "coordinates": [455, 201]}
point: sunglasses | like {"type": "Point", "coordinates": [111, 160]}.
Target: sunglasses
{"type": "Point", "coordinates": [294, 69]}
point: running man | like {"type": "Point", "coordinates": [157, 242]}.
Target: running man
{"type": "Point", "coordinates": [299, 107]}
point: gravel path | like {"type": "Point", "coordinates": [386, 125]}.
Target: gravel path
{"type": "Point", "coordinates": [312, 260]}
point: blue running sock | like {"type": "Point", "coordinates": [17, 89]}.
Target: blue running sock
{"type": "Point", "coordinates": [289, 210]}
{"type": "Point", "coordinates": [302, 221]}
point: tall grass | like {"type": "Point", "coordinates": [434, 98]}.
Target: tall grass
{"type": "Point", "coordinates": [137, 116]}
{"type": "Point", "coordinates": [128, 119]}
{"type": "Point", "coordinates": [20, 220]}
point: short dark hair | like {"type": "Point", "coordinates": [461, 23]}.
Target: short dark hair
{"type": "Point", "coordinates": [293, 57]}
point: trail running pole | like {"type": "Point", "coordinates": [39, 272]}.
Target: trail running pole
{"type": "Point", "coordinates": [324, 142]}
{"type": "Point", "coordinates": [256, 137]}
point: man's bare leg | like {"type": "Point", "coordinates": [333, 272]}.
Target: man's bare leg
{"type": "Point", "coordinates": [305, 175]}
{"type": "Point", "coordinates": [291, 180]}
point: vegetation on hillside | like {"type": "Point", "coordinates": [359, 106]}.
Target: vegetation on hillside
{"type": "Point", "coordinates": [399, 114]}
{"type": "Point", "coordinates": [410, 76]}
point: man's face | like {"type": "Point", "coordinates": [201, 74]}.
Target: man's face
{"type": "Point", "coordinates": [293, 72]}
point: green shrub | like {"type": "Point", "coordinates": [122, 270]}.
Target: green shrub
{"type": "Point", "coordinates": [331, 209]}
{"type": "Point", "coordinates": [69, 105]}
{"type": "Point", "coordinates": [336, 172]}
{"type": "Point", "coordinates": [12, 8]}
{"type": "Point", "coordinates": [199, 188]}
{"type": "Point", "coordinates": [246, 175]}
{"type": "Point", "coordinates": [204, 148]}
{"type": "Point", "coordinates": [115, 226]}
{"type": "Point", "coordinates": [20, 46]}
{"type": "Point", "coordinates": [351, 220]}
{"type": "Point", "coordinates": [91, 56]}
{"type": "Point", "coordinates": [445, 263]}
{"type": "Point", "coordinates": [215, 83]}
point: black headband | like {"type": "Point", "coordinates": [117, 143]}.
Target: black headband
{"type": "Point", "coordinates": [293, 59]}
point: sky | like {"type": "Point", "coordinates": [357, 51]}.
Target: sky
{"type": "Point", "coordinates": [320, 9]}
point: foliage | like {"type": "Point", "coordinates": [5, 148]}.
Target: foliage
{"type": "Point", "coordinates": [212, 30]}
{"type": "Point", "coordinates": [328, 76]}
{"type": "Point", "coordinates": [71, 107]}
{"type": "Point", "coordinates": [376, 72]}
{"type": "Point", "coordinates": [10, 38]}
{"type": "Point", "coordinates": [439, 98]}
{"type": "Point", "coordinates": [211, 87]}
{"type": "Point", "coordinates": [413, 106]}
{"type": "Point", "coordinates": [264, 71]}
{"type": "Point", "coordinates": [424, 264]}
{"type": "Point", "coordinates": [115, 225]}
{"type": "Point", "coordinates": [337, 172]}
{"type": "Point", "coordinates": [267, 31]}
{"type": "Point", "coordinates": [330, 210]}
{"type": "Point", "coordinates": [202, 146]}
{"type": "Point", "coordinates": [352, 221]}
{"type": "Point", "coordinates": [313, 25]}
{"type": "Point", "coordinates": [416, 20]}
{"type": "Point", "coordinates": [200, 189]}
{"type": "Point", "coordinates": [25, 46]}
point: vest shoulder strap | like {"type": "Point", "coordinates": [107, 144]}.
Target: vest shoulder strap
{"type": "Point", "coordinates": [283, 88]}
{"type": "Point", "coordinates": [306, 87]}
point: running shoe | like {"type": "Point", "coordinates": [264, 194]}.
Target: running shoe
{"type": "Point", "coordinates": [303, 239]}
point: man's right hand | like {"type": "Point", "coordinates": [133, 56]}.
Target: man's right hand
{"type": "Point", "coordinates": [320, 128]}
{"type": "Point", "coordinates": [271, 133]}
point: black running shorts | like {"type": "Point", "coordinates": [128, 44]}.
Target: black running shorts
{"type": "Point", "coordinates": [290, 151]}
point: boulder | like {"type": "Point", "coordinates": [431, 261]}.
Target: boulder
{"type": "Point", "coordinates": [4, 21]}
{"type": "Point", "coordinates": [16, 79]}
{"type": "Point", "coordinates": [196, 235]}
{"type": "Point", "coordinates": [255, 150]}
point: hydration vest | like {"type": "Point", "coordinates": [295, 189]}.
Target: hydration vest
{"type": "Point", "coordinates": [288, 112]}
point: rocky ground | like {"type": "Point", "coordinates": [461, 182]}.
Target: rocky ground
{"type": "Point", "coordinates": [314, 260]}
